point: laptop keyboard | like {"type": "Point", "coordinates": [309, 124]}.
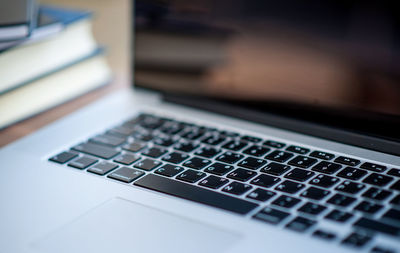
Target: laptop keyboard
{"type": "Point", "coordinates": [285, 185]}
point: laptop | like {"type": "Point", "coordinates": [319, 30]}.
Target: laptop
{"type": "Point", "coordinates": [251, 126]}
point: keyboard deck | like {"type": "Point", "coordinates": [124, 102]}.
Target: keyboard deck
{"type": "Point", "coordinates": [289, 186]}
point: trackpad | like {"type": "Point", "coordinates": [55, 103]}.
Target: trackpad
{"type": "Point", "coordinates": [123, 226]}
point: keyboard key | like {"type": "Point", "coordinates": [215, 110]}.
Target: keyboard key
{"type": "Point", "coordinates": [377, 179]}
{"type": "Point", "coordinates": [261, 194]}
{"type": "Point", "coordinates": [235, 145]}
{"type": "Point", "coordinates": [186, 146]}
{"type": "Point", "coordinates": [356, 240]}
{"type": "Point", "coordinates": [324, 181]}
{"type": "Point", "coordinates": [286, 201]}
{"type": "Point", "coordinates": [230, 157]}
{"type": "Point", "coordinates": [271, 216]}
{"type": "Point", "coordinates": [191, 176]}
{"type": "Point", "coordinates": [151, 122]}
{"type": "Point", "coordinates": [279, 156]}
{"type": "Point", "coordinates": [302, 161]}
{"type": "Point", "coordinates": [322, 155]}
{"type": "Point", "coordinates": [219, 169]}
{"type": "Point", "coordinates": [396, 200]}
{"type": "Point", "coordinates": [373, 167]}
{"type": "Point", "coordinates": [396, 186]}
{"type": "Point", "coordinates": [376, 194]}
{"type": "Point", "coordinates": [82, 162]}
{"type": "Point", "coordinates": [256, 150]}
{"type": "Point", "coordinates": [213, 182]}
{"type": "Point", "coordinates": [236, 188]}
{"type": "Point", "coordinates": [121, 131]}
{"type": "Point", "coordinates": [228, 133]}
{"type": "Point", "coordinates": [214, 139]}
{"type": "Point", "coordinates": [197, 163]}
{"type": "Point", "coordinates": [341, 200]}
{"type": "Point", "coordinates": [196, 194]}
{"type": "Point", "coordinates": [315, 193]}
{"type": "Point", "coordinates": [102, 168]}
{"type": "Point", "coordinates": [251, 139]}
{"type": "Point", "coordinates": [252, 163]}
{"type": "Point", "coordinates": [368, 207]}
{"type": "Point", "coordinates": [126, 174]}
{"type": "Point", "coordinates": [143, 136]}
{"type": "Point", "coordinates": [171, 127]}
{"type": "Point", "coordinates": [147, 164]}
{"type": "Point", "coordinates": [154, 152]}
{"type": "Point", "coordinates": [265, 180]}
{"type": "Point", "coordinates": [377, 226]}
{"type": "Point", "coordinates": [96, 150]}
{"type": "Point", "coordinates": [274, 144]}
{"type": "Point", "coordinates": [207, 152]}
{"type": "Point", "coordinates": [393, 215]}
{"type": "Point", "coordinates": [351, 173]}
{"type": "Point", "coordinates": [380, 249]}
{"type": "Point", "coordinates": [299, 175]}
{"type": "Point", "coordinates": [169, 170]}
{"type": "Point", "coordinates": [276, 169]}
{"type": "Point", "coordinates": [350, 187]}
{"type": "Point", "coordinates": [338, 216]}
{"type": "Point", "coordinates": [126, 159]}
{"type": "Point", "coordinates": [394, 172]}
{"type": "Point", "coordinates": [324, 235]}
{"type": "Point", "coordinates": [327, 167]}
{"type": "Point", "coordinates": [108, 140]}
{"type": "Point", "coordinates": [311, 208]}
{"type": "Point", "coordinates": [63, 157]}
{"type": "Point", "coordinates": [165, 141]}
{"type": "Point", "coordinates": [134, 146]}
{"type": "Point", "coordinates": [290, 187]}
{"type": "Point", "coordinates": [297, 149]}
{"type": "Point", "coordinates": [175, 157]}
{"type": "Point", "coordinates": [300, 224]}
{"type": "Point", "coordinates": [347, 161]}
{"type": "Point", "coordinates": [241, 174]}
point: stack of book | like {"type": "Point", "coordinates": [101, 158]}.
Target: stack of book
{"type": "Point", "coordinates": [50, 59]}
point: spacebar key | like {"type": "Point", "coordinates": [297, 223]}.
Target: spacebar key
{"type": "Point", "coordinates": [197, 194]}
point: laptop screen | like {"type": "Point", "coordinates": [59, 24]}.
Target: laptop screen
{"type": "Point", "coordinates": [335, 63]}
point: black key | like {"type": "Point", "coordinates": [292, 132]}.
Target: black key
{"type": "Point", "coordinates": [108, 140]}
{"type": "Point", "coordinates": [338, 216]}
{"type": "Point", "coordinates": [230, 157]}
{"type": "Point", "coordinates": [143, 136]}
{"type": "Point", "coordinates": [350, 187]}
{"type": "Point", "coordinates": [315, 193]}
{"type": "Point", "coordinates": [368, 207]}
{"type": "Point", "coordinates": [373, 167]}
{"type": "Point", "coordinates": [394, 172]}
{"type": "Point", "coordinates": [327, 167]}
{"type": "Point", "coordinates": [260, 194]}
{"type": "Point", "coordinates": [151, 122]}
{"type": "Point", "coordinates": [154, 152]}
{"type": "Point", "coordinates": [196, 163]}
{"type": "Point", "coordinates": [147, 164]}
{"type": "Point", "coordinates": [63, 157]}
{"type": "Point", "coordinates": [271, 215]}
{"type": "Point", "coordinates": [207, 152]}
{"type": "Point", "coordinates": [299, 175]}
{"type": "Point", "coordinates": [377, 226]}
{"type": "Point", "coordinates": [236, 188]}
{"type": "Point", "coordinates": [311, 208]}
{"type": "Point", "coordinates": [186, 146]}
{"type": "Point", "coordinates": [102, 168]}
{"type": "Point", "coordinates": [171, 127]}
{"type": "Point", "coordinates": [286, 201]}
{"type": "Point", "coordinates": [191, 176]}
{"type": "Point", "coordinates": [134, 146]}
{"type": "Point", "coordinates": [276, 169]}
{"type": "Point", "coordinates": [175, 157]}
{"type": "Point", "coordinates": [265, 180]}
{"type": "Point", "coordinates": [356, 240]}
{"type": "Point", "coordinates": [324, 235]}
{"type": "Point", "coordinates": [396, 200]}
{"type": "Point", "coordinates": [341, 200]}
{"type": "Point", "coordinates": [290, 187]}
{"type": "Point", "coordinates": [122, 131]}
{"type": "Point", "coordinates": [165, 142]}
{"type": "Point", "coordinates": [377, 179]}
{"type": "Point", "coordinates": [96, 150]}
{"type": "Point", "coordinates": [279, 156]}
{"type": "Point", "coordinates": [241, 174]}
{"type": "Point", "coordinates": [297, 149]}
{"type": "Point", "coordinates": [300, 224]}
{"type": "Point", "coordinates": [256, 150]}
{"type": "Point", "coordinates": [219, 169]}
{"type": "Point", "coordinates": [380, 249]}
{"type": "Point", "coordinates": [193, 134]}
{"type": "Point", "coordinates": [352, 173]}
{"type": "Point", "coordinates": [126, 159]}
{"type": "Point", "coordinates": [302, 161]}
{"type": "Point", "coordinates": [347, 161]}
{"type": "Point", "coordinates": [169, 170]}
{"type": "Point", "coordinates": [252, 163]}
{"type": "Point", "coordinates": [228, 133]}
{"type": "Point", "coordinates": [251, 139]}
{"type": "Point", "coordinates": [396, 186]}
{"type": "Point", "coordinates": [322, 155]}
{"type": "Point", "coordinates": [324, 181]}
{"type": "Point", "coordinates": [377, 194]}
{"type": "Point", "coordinates": [126, 174]}
{"type": "Point", "coordinates": [273, 144]}
{"type": "Point", "coordinates": [82, 162]}
{"type": "Point", "coordinates": [213, 182]}
{"type": "Point", "coordinates": [214, 139]}
{"type": "Point", "coordinates": [393, 215]}
{"type": "Point", "coordinates": [235, 145]}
